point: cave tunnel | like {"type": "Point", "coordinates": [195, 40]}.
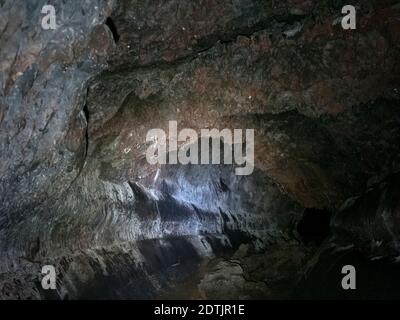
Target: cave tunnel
{"type": "Point", "coordinates": [192, 149]}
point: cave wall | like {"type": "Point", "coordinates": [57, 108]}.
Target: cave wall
{"type": "Point", "coordinates": [76, 103]}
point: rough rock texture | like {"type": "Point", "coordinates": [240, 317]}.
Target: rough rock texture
{"type": "Point", "coordinates": [76, 104]}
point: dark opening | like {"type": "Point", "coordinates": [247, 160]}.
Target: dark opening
{"type": "Point", "coordinates": [113, 28]}
{"type": "Point", "coordinates": [314, 226]}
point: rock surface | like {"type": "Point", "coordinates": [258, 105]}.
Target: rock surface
{"type": "Point", "coordinates": [76, 103]}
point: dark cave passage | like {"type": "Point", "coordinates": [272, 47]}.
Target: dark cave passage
{"type": "Point", "coordinates": [314, 226]}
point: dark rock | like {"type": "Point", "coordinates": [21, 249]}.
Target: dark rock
{"type": "Point", "coordinates": [76, 103]}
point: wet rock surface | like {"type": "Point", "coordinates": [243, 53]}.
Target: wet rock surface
{"type": "Point", "coordinates": [77, 192]}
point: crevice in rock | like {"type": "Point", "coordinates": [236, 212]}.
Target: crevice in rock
{"type": "Point", "coordinates": [86, 114]}
{"type": "Point", "coordinates": [208, 45]}
{"type": "Point", "coordinates": [87, 117]}
{"type": "Point", "coordinates": [111, 25]}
